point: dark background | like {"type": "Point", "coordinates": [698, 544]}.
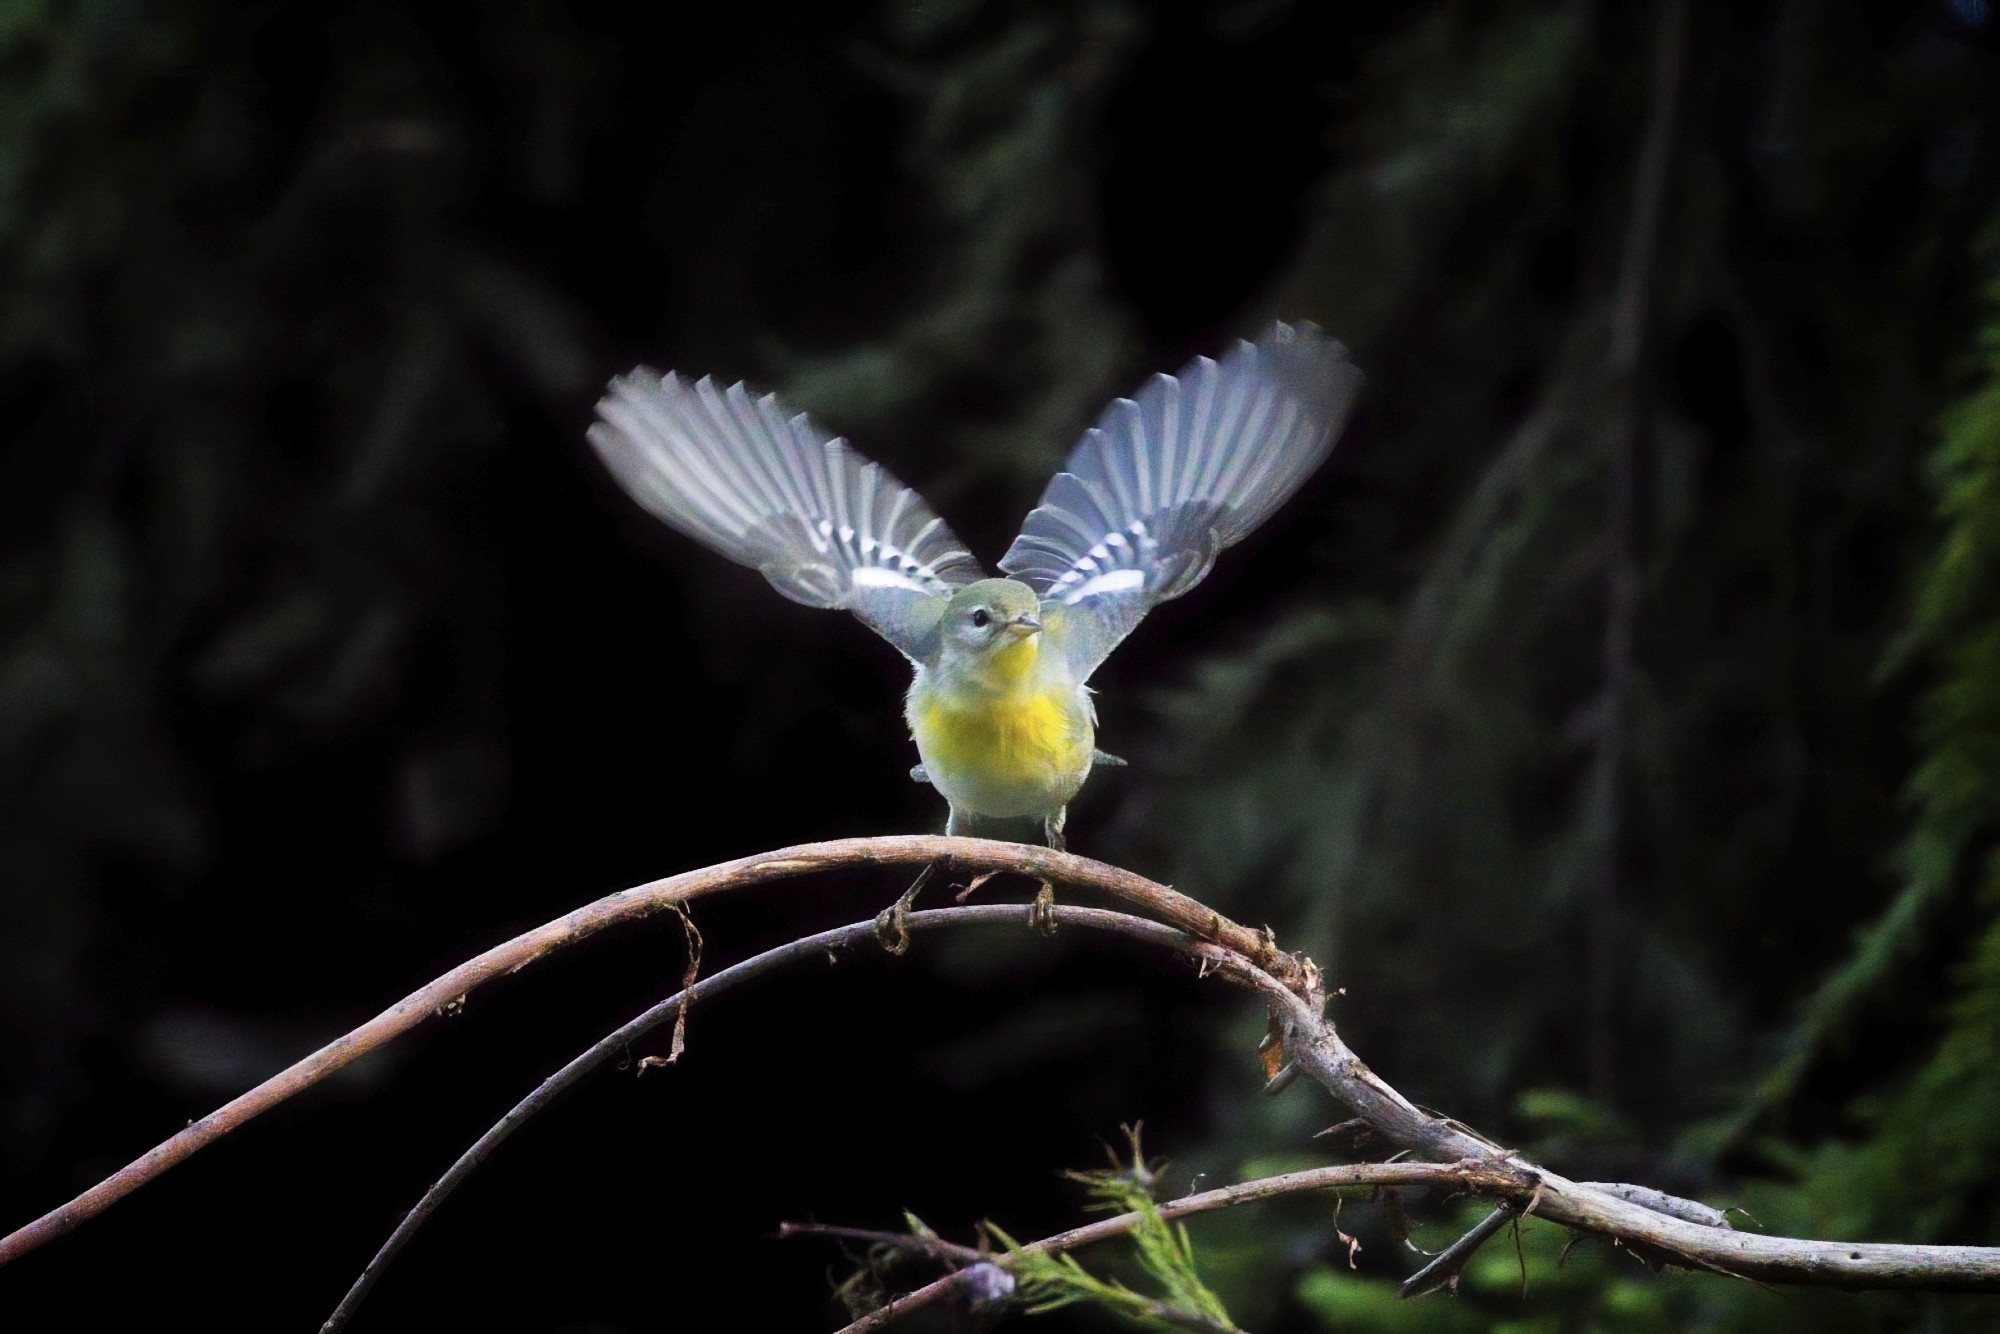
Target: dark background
{"type": "Point", "coordinates": [329, 657]}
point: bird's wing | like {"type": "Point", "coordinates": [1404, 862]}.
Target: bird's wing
{"type": "Point", "coordinates": [772, 491]}
{"type": "Point", "coordinates": [1165, 480]}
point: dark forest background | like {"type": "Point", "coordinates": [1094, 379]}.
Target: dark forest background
{"type": "Point", "coordinates": [1618, 722]}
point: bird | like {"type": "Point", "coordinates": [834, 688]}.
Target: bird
{"type": "Point", "coordinates": [999, 703]}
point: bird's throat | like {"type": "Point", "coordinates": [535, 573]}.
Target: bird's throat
{"type": "Point", "coordinates": [1011, 667]}
{"type": "Point", "coordinates": [997, 739]}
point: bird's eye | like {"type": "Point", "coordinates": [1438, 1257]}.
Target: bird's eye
{"type": "Point", "coordinates": [982, 618]}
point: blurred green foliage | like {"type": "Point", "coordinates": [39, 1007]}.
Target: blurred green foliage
{"type": "Point", "coordinates": [1921, 1157]}
{"type": "Point", "coordinates": [1394, 768]}
{"type": "Point", "coordinates": [253, 374]}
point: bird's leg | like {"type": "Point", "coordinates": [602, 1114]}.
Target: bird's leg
{"type": "Point", "coordinates": [1042, 917]}
{"type": "Point", "coordinates": [890, 929]}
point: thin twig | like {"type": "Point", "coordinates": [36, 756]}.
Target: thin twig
{"type": "Point", "coordinates": [679, 1044]}
{"type": "Point", "coordinates": [447, 993]}
{"type": "Point", "coordinates": [938, 1247]}
{"type": "Point", "coordinates": [1353, 1125]}
{"type": "Point", "coordinates": [1476, 1175]}
{"type": "Point", "coordinates": [1450, 1261]}
{"type": "Point", "coordinates": [729, 979]}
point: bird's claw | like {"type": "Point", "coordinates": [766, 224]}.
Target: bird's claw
{"type": "Point", "coordinates": [892, 932]}
{"type": "Point", "coordinates": [1042, 913]}
{"type": "Point", "coordinates": [892, 929]}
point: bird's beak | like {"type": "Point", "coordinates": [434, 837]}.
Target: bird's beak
{"type": "Point", "coordinates": [1026, 624]}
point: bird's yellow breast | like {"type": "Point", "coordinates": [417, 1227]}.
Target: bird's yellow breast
{"type": "Point", "coordinates": [1021, 750]}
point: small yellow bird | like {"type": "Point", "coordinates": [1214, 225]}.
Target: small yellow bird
{"type": "Point", "coordinates": [1000, 705]}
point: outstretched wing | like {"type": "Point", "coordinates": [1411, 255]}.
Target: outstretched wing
{"type": "Point", "coordinates": [770, 490]}
{"type": "Point", "coordinates": [1166, 480]}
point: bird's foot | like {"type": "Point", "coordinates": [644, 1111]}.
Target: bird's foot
{"type": "Point", "coordinates": [1042, 913]}
{"type": "Point", "coordinates": [892, 929]}
{"type": "Point", "coordinates": [1052, 829]}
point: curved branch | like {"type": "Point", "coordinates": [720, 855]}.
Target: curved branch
{"type": "Point", "coordinates": [737, 975]}
{"type": "Point", "coordinates": [1480, 1175]}
{"type": "Point", "coordinates": [970, 854]}
{"type": "Point", "coordinates": [1289, 984]}
{"type": "Point", "coordinates": [1313, 1044]}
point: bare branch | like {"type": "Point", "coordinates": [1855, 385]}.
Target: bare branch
{"type": "Point", "coordinates": [1482, 1175]}
{"type": "Point", "coordinates": [1289, 985]}
{"type": "Point", "coordinates": [729, 979]}
{"type": "Point", "coordinates": [1479, 1166]}
{"type": "Point", "coordinates": [969, 854]}
{"type": "Point", "coordinates": [1320, 1052]}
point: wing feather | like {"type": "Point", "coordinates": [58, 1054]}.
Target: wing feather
{"type": "Point", "coordinates": [1168, 478]}
{"type": "Point", "coordinates": [770, 490]}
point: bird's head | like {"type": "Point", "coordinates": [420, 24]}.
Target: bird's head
{"type": "Point", "coordinates": [991, 631]}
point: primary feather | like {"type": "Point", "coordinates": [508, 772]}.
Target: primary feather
{"type": "Point", "coordinates": [1169, 478]}
{"type": "Point", "coordinates": [770, 490]}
